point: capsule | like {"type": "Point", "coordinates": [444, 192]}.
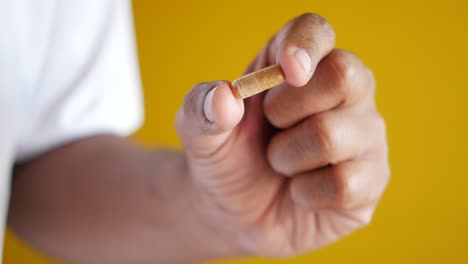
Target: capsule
{"type": "Point", "coordinates": [257, 82]}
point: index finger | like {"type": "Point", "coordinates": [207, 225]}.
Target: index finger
{"type": "Point", "coordinates": [300, 46]}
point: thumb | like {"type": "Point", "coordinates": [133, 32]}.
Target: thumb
{"type": "Point", "coordinates": [209, 114]}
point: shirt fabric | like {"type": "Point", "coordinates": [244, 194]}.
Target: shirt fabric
{"type": "Point", "coordinates": [68, 70]}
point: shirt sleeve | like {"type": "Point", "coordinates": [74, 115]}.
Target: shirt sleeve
{"type": "Point", "coordinates": [80, 73]}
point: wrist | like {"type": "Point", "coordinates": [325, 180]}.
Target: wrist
{"type": "Point", "coordinates": [190, 218]}
{"type": "Point", "coordinates": [219, 234]}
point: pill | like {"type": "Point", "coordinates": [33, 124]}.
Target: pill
{"type": "Point", "coordinates": [257, 82]}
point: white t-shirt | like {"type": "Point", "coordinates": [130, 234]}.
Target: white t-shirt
{"type": "Point", "coordinates": [68, 69]}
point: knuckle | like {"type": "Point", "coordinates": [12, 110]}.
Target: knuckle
{"type": "Point", "coordinates": [313, 18]}
{"type": "Point", "coordinates": [387, 172]}
{"type": "Point", "coordinates": [315, 23]}
{"type": "Point", "coordinates": [369, 81]}
{"type": "Point", "coordinates": [371, 77]}
{"type": "Point", "coordinates": [365, 219]}
{"type": "Point", "coordinates": [326, 138]}
{"type": "Point", "coordinates": [345, 72]}
{"type": "Point", "coordinates": [346, 190]}
{"type": "Point", "coordinates": [380, 123]}
{"type": "Point", "coordinates": [316, 20]}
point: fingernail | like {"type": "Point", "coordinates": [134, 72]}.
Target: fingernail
{"type": "Point", "coordinates": [208, 108]}
{"type": "Point", "coordinates": [304, 59]}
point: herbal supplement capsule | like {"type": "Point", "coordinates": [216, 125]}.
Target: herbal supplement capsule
{"type": "Point", "coordinates": [257, 82]}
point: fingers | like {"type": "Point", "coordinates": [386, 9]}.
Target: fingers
{"type": "Point", "coordinates": [298, 47]}
{"type": "Point", "coordinates": [340, 79]}
{"type": "Point", "coordinates": [348, 185]}
{"type": "Point", "coordinates": [326, 138]}
{"type": "Point", "coordinates": [209, 113]}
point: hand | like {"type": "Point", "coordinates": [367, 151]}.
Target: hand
{"type": "Point", "coordinates": [303, 164]}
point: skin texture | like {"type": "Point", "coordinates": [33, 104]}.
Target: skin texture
{"type": "Point", "coordinates": [279, 174]}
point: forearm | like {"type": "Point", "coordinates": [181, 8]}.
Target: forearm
{"type": "Point", "coordinates": [107, 200]}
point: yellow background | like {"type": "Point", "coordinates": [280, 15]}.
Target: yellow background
{"type": "Point", "coordinates": [418, 50]}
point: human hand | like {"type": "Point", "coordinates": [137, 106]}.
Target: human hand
{"type": "Point", "coordinates": [303, 164]}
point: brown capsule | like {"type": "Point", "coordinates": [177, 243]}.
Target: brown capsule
{"type": "Point", "coordinates": [257, 82]}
